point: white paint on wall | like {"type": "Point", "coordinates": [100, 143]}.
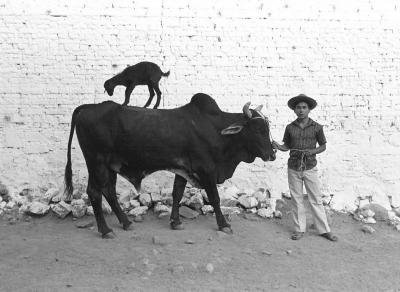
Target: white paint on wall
{"type": "Point", "coordinates": [56, 55]}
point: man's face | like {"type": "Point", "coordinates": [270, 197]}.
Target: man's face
{"type": "Point", "coordinates": [302, 110]}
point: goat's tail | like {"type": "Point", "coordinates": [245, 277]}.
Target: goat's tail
{"type": "Point", "coordinates": [68, 168]}
{"type": "Point", "coordinates": [165, 74]}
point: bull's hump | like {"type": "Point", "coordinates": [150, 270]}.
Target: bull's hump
{"type": "Point", "coordinates": [205, 103]}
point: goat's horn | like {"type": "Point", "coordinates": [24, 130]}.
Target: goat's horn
{"type": "Point", "coordinates": [246, 109]}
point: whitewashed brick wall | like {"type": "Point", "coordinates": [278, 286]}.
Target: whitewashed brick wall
{"type": "Point", "coordinates": [56, 55]}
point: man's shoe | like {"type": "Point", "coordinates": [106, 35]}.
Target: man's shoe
{"type": "Point", "coordinates": [329, 236]}
{"type": "Point", "coordinates": [297, 235]}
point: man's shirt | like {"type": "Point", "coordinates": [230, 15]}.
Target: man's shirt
{"type": "Point", "coordinates": [297, 138]}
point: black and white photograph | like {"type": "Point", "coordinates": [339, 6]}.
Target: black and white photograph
{"type": "Point", "coordinates": [184, 145]}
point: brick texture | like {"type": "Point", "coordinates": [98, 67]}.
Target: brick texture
{"type": "Point", "coordinates": [56, 55]}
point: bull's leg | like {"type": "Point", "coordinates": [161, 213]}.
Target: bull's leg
{"type": "Point", "coordinates": [95, 197]}
{"type": "Point", "coordinates": [177, 193]}
{"type": "Point", "coordinates": [158, 91]}
{"type": "Point", "coordinates": [213, 197]}
{"type": "Point", "coordinates": [128, 92]}
{"type": "Point", "coordinates": [151, 91]}
{"type": "Point", "coordinates": [111, 196]}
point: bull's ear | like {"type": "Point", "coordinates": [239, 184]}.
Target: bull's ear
{"type": "Point", "coordinates": [232, 129]}
{"type": "Point", "coordinates": [259, 108]}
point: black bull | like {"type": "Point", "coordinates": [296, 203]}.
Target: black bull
{"type": "Point", "coordinates": [200, 143]}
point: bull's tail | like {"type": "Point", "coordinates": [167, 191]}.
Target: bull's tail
{"type": "Point", "coordinates": [165, 74]}
{"type": "Point", "coordinates": [68, 168]}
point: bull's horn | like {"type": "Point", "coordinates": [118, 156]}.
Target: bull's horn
{"type": "Point", "coordinates": [259, 108]}
{"type": "Point", "coordinates": [246, 109]}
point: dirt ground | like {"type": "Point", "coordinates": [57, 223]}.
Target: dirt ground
{"type": "Point", "coordinates": [50, 254]}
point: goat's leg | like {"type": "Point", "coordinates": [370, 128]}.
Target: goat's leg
{"type": "Point", "coordinates": [157, 89]}
{"type": "Point", "coordinates": [151, 91]}
{"type": "Point", "coordinates": [128, 92]}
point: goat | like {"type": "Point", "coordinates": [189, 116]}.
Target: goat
{"type": "Point", "coordinates": [143, 73]}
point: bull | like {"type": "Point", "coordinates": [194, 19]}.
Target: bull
{"type": "Point", "coordinates": [198, 142]}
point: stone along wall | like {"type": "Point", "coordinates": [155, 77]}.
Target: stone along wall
{"type": "Point", "coordinates": [56, 55]}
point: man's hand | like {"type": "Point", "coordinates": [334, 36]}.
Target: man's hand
{"type": "Point", "coordinates": [309, 152]}
{"type": "Point", "coordinates": [275, 145]}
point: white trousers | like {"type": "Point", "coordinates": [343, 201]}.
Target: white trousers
{"type": "Point", "coordinates": [312, 184]}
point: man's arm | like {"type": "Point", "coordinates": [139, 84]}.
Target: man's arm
{"type": "Point", "coordinates": [282, 147]}
{"type": "Point", "coordinates": [319, 149]}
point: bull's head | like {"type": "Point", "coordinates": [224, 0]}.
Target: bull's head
{"type": "Point", "coordinates": [255, 130]}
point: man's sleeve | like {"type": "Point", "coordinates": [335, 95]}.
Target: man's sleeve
{"type": "Point", "coordinates": [286, 137]}
{"type": "Point", "coordinates": [321, 136]}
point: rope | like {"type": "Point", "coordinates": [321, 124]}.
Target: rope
{"type": "Point", "coordinates": [303, 159]}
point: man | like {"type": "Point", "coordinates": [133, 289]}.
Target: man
{"type": "Point", "coordinates": [301, 137]}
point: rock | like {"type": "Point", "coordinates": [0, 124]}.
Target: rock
{"type": "Point", "coordinates": [229, 193]}
{"type": "Point", "coordinates": [37, 208]}
{"type": "Point", "coordinates": [380, 212]}
{"type": "Point", "coordinates": [11, 205]}
{"type": "Point", "coordinates": [391, 215]}
{"type": "Point", "coordinates": [369, 220]}
{"type": "Point", "coordinates": [127, 195]}
{"type": "Point", "coordinates": [248, 202]}
{"type": "Point", "coordinates": [367, 229]}
{"type": "Point", "coordinates": [106, 207]}
{"type": "Point", "coordinates": [46, 198]}
{"type": "Point", "coordinates": [288, 252]}
{"type": "Point", "coordinates": [188, 213]}
{"type": "Point", "coordinates": [229, 202]}
{"type": "Point", "coordinates": [62, 209]}
{"type": "Point", "coordinates": [156, 197]}
{"type": "Point", "coordinates": [266, 253]}
{"type": "Point", "coordinates": [206, 209]}
{"type": "Point", "coordinates": [145, 199]}
{"type": "Point", "coordinates": [397, 227]}
{"type": "Point", "coordinates": [138, 211]}
{"type": "Point", "coordinates": [158, 241]}
{"type": "Point", "coordinates": [85, 197]}
{"type": "Point", "coordinates": [164, 214]}
{"type": "Point", "coordinates": [196, 201]}
{"type": "Point", "coordinates": [89, 211]}
{"type": "Point", "coordinates": [85, 224]}
{"type": "Point", "coordinates": [278, 214]}
{"type": "Point", "coordinates": [265, 213]}
{"type": "Point", "coordinates": [397, 211]}
{"type": "Point", "coordinates": [78, 208]}
{"type": "Point", "coordinates": [161, 208]}
{"type": "Point", "coordinates": [58, 198]}
{"type": "Point", "coordinates": [3, 190]}
{"type": "Point", "coordinates": [230, 210]}
{"type": "Point", "coordinates": [367, 213]}
{"type": "Point", "coordinates": [252, 210]}
{"type": "Point", "coordinates": [26, 191]}
{"type": "Point", "coordinates": [76, 195]}
{"type": "Point", "coordinates": [126, 206]}
{"type": "Point", "coordinates": [261, 195]}
{"type": "Point", "coordinates": [209, 268]}
{"type": "Point", "coordinates": [134, 203]}
{"type": "Point", "coordinates": [189, 241]}
{"type": "Point", "coordinates": [178, 270]}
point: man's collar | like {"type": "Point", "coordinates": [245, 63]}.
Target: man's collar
{"type": "Point", "coordinates": [309, 123]}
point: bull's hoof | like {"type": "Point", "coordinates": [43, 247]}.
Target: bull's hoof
{"type": "Point", "coordinates": [127, 225]}
{"type": "Point", "coordinates": [176, 226]}
{"type": "Point", "coordinates": [226, 229]}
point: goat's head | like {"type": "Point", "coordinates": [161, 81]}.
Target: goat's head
{"type": "Point", "coordinates": [109, 87]}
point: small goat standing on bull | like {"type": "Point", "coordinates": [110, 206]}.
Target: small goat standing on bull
{"type": "Point", "coordinates": [143, 73]}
